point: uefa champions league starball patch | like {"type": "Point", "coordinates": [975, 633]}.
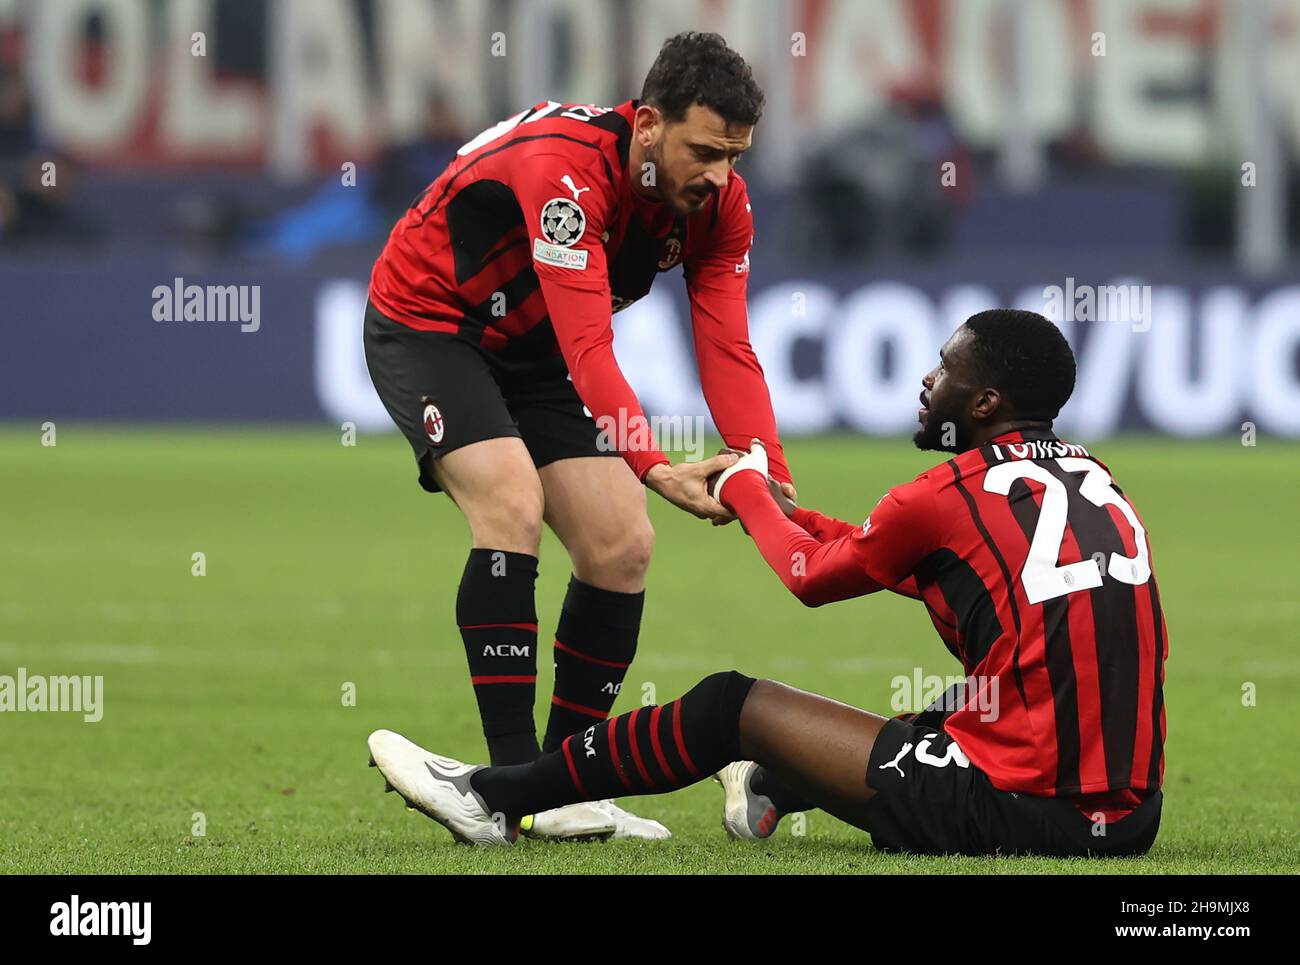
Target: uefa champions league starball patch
{"type": "Point", "coordinates": [563, 221]}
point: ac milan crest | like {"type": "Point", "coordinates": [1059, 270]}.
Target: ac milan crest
{"type": "Point", "coordinates": [433, 424]}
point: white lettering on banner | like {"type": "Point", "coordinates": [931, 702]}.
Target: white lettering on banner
{"type": "Point", "coordinates": [1167, 393]}
{"type": "Point", "coordinates": [975, 83]}
{"type": "Point", "coordinates": [343, 383]}
{"type": "Point", "coordinates": [654, 351]}
{"type": "Point", "coordinates": [956, 305]}
{"type": "Point", "coordinates": [70, 110]}
{"type": "Point", "coordinates": [1130, 123]}
{"type": "Point", "coordinates": [892, 314]}
{"type": "Point", "coordinates": [1097, 405]}
{"type": "Point", "coordinates": [590, 62]}
{"type": "Point", "coordinates": [403, 32]}
{"type": "Point", "coordinates": [1159, 95]}
{"type": "Point", "coordinates": [319, 72]}
{"type": "Point", "coordinates": [885, 28]}
{"type": "Point", "coordinates": [1273, 386]}
{"type": "Point", "coordinates": [1208, 360]}
{"type": "Point", "coordinates": [773, 331]}
{"type": "Point", "coordinates": [200, 114]}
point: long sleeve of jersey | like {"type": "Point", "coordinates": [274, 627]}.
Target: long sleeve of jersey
{"type": "Point", "coordinates": [730, 374]}
{"type": "Point", "coordinates": [574, 281]}
{"type": "Point", "coordinates": [853, 562]}
{"type": "Point", "coordinates": [821, 528]}
{"type": "Point", "coordinates": [813, 571]}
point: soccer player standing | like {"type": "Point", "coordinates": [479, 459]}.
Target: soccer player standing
{"type": "Point", "coordinates": [1037, 574]}
{"type": "Point", "coordinates": [488, 337]}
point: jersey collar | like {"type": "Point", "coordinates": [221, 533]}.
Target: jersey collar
{"type": "Point", "coordinates": [1023, 435]}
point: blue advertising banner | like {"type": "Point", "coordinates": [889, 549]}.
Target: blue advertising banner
{"type": "Point", "coordinates": [1178, 350]}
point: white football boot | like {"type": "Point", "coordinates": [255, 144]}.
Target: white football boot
{"type": "Point", "coordinates": [438, 787]}
{"type": "Point", "coordinates": [747, 816]}
{"type": "Point", "coordinates": [629, 825]}
{"type": "Point", "coordinates": [572, 822]}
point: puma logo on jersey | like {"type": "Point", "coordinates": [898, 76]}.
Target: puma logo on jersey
{"type": "Point", "coordinates": [568, 182]}
{"type": "Point", "coordinates": [505, 650]}
{"type": "Point", "coordinates": [894, 763]}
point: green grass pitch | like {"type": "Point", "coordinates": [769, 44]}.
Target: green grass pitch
{"type": "Point", "coordinates": [326, 566]}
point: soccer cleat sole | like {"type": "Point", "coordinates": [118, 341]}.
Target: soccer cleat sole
{"type": "Point", "coordinates": [738, 812]}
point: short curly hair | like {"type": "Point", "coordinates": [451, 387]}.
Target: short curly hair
{"type": "Point", "coordinates": [1026, 356]}
{"type": "Point", "coordinates": [699, 68]}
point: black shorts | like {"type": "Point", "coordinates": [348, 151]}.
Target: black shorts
{"type": "Point", "coordinates": [445, 392]}
{"type": "Point", "coordinates": [930, 799]}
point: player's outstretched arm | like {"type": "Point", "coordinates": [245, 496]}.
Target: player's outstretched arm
{"type": "Point", "coordinates": [827, 529]}
{"type": "Point", "coordinates": [819, 526]}
{"type": "Point", "coordinates": [815, 572]}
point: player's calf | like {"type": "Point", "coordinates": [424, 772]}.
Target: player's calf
{"type": "Point", "coordinates": [597, 508]}
{"type": "Point", "coordinates": [595, 642]}
{"type": "Point", "coordinates": [497, 616]}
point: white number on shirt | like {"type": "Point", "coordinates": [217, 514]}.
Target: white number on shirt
{"type": "Point", "coordinates": [1041, 577]}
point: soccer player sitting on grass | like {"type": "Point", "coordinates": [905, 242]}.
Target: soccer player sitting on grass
{"type": "Point", "coordinates": [1036, 572]}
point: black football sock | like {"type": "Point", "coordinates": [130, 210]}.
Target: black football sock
{"type": "Point", "coordinates": [498, 622]}
{"type": "Point", "coordinates": [594, 645]}
{"type": "Point", "coordinates": [651, 750]}
{"type": "Point", "coordinates": [786, 801]}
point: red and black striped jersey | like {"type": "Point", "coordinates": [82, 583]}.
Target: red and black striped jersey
{"type": "Point", "coordinates": [534, 236]}
{"type": "Point", "coordinates": [1036, 571]}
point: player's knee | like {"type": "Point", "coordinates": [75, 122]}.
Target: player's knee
{"type": "Point", "coordinates": [511, 520]}
{"type": "Point", "coordinates": [620, 559]}
{"type": "Point", "coordinates": [636, 547]}
{"type": "Point", "coordinates": [718, 685]}
{"type": "Point", "coordinates": [718, 700]}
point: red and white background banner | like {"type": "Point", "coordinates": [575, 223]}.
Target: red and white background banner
{"type": "Point", "coordinates": [301, 85]}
